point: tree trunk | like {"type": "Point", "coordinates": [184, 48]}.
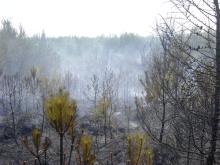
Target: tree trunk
{"type": "Point", "coordinates": [61, 149]}
{"type": "Point", "coordinates": [71, 150]}
{"type": "Point", "coordinates": [215, 120]}
{"type": "Point", "coordinates": [164, 110]}
{"type": "Point", "coordinates": [188, 149]}
{"type": "Point", "coordinates": [14, 125]}
{"type": "Point", "coordinates": [105, 127]}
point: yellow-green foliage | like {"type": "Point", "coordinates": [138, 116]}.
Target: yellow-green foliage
{"type": "Point", "coordinates": [39, 147]}
{"type": "Point", "coordinates": [102, 107]}
{"type": "Point", "coordinates": [137, 151]}
{"type": "Point", "coordinates": [153, 91]}
{"type": "Point", "coordinates": [36, 138]}
{"type": "Point", "coordinates": [72, 129]}
{"type": "Point", "coordinates": [84, 148]}
{"type": "Point", "coordinates": [149, 156]}
{"type": "Point", "coordinates": [61, 111]}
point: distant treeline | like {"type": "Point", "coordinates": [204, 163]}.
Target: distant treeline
{"type": "Point", "coordinates": [19, 52]}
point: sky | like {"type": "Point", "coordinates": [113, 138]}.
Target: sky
{"type": "Point", "coordinates": [83, 17]}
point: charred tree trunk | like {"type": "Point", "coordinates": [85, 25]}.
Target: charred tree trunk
{"type": "Point", "coordinates": [61, 149]}
{"type": "Point", "coordinates": [215, 119]}
{"type": "Point", "coordinates": [163, 118]}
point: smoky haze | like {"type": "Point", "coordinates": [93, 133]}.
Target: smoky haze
{"type": "Point", "coordinates": [83, 17]}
